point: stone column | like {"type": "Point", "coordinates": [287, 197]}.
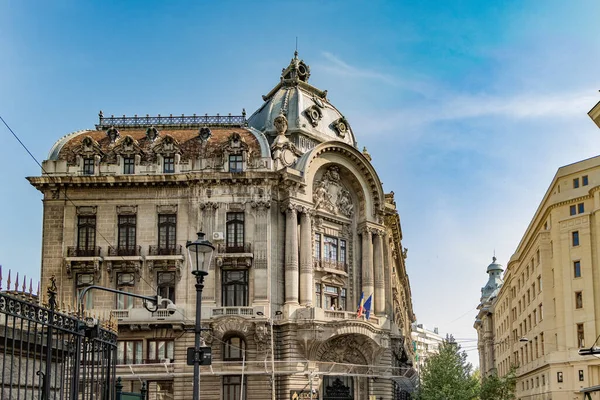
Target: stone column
{"type": "Point", "coordinates": [367, 263]}
{"type": "Point", "coordinates": [306, 267]}
{"type": "Point", "coordinates": [379, 300]}
{"type": "Point", "coordinates": [291, 256]}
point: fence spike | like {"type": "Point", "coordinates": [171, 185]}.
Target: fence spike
{"type": "Point", "coordinates": [8, 281]}
{"type": "Point", "coordinates": [30, 286]}
{"type": "Point", "coordinates": [0, 277]}
{"type": "Point", "coordinates": [24, 284]}
{"type": "Point", "coordinates": [17, 282]}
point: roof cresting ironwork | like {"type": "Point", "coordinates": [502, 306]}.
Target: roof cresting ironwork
{"type": "Point", "coordinates": [188, 121]}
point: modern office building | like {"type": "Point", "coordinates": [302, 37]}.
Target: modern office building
{"type": "Point", "coordinates": [547, 309]}
{"type": "Point", "coordinates": [302, 228]}
{"type": "Point", "coordinates": [425, 344]}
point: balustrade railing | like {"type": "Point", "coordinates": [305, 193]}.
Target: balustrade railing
{"type": "Point", "coordinates": [76, 251]}
{"type": "Point", "coordinates": [225, 248]}
{"type": "Point", "coordinates": [171, 120]}
{"type": "Point", "coordinates": [154, 250]}
{"type": "Point", "coordinates": [124, 251]}
{"type": "Point", "coordinates": [326, 263]}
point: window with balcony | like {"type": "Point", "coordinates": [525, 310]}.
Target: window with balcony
{"type": "Point", "coordinates": [166, 286]}
{"type": "Point", "coordinates": [125, 283]}
{"type": "Point", "coordinates": [234, 348]}
{"type": "Point", "coordinates": [129, 352]}
{"type": "Point", "coordinates": [333, 254]}
{"type": "Point", "coordinates": [236, 163]}
{"type": "Point", "coordinates": [331, 297]}
{"type": "Point", "coordinates": [86, 235]}
{"type": "Point", "coordinates": [127, 229]}
{"type": "Point", "coordinates": [83, 281]}
{"type": "Point", "coordinates": [129, 165]}
{"type": "Point", "coordinates": [169, 165]}
{"type": "Point", "coordinates": [235, 232]}
{"type": "Point", "coordinates": [234, 288]}
{"type": "Point", "coordinates": [167, 227]}
{"type": "Point", "coordinates": [160, 350]}
{"type": "Point", "coordinates": [232, 387]}
{"type": "Point", "coordinates": [88, 166]}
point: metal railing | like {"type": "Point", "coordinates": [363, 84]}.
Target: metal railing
{"type": "Point", "coordinates": [154, 250]}
{"type": "Point", "coordinates": [225, 248]}
{"type": "Point", "coordinates": [76, 251]}
{"type": "Point", "coordinates": [124, 251]}
{"type": "Point", "coordinates": [171, 120]}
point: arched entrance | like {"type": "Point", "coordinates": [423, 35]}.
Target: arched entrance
{"type": "Point", "coordinates": [338, 387]}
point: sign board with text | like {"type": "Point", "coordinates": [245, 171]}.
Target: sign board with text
{"type": "Point", "coordinates": [301, 394]}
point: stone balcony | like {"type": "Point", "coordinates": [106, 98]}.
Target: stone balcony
{"type": "Point", "coordinates": [140, 318]}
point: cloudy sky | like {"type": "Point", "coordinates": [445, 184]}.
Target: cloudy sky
{"type": "Point", "coordinates": [467, 107]}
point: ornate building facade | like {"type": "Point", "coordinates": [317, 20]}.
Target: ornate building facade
{"type": "Point", "coordinates": [547, 309]}
{"type": "Point", "coordinates": [302, 227]}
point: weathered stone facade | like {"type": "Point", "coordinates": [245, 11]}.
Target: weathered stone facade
{"type": "Point", "coordinates": [301, 227]}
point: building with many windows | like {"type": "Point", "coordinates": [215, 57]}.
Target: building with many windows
{"type": "Point", "coordinates": [425, 344]}
{"type": "Point", "coordinates": [547, 308]}
{"type": "Point", "coordinates": [302, 227]}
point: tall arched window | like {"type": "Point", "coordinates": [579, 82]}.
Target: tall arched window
{"type": "Point", "coordinates": [234, 348]}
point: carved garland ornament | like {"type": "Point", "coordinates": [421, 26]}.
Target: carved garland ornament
{"type": "Point", "coordinates": [329, 194]}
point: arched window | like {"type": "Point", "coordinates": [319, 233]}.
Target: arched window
{"type": "Point", "coordinates": [234, 348]}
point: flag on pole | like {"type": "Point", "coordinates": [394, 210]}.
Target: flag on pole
{"type": "Point", "coordinates": [361, 308]}
{"type": "Point", "coordinates": [367, 307]}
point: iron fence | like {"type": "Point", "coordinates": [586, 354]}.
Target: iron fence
{"type": "Point", "coordinates": [46, 354]}
{"type": "Point", "coordinates": [170, 121]}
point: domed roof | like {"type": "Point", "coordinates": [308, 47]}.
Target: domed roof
{"type": "Point", "coordinates": [306, 108]}
{"type": "Point", "coordinates": [494, 266]}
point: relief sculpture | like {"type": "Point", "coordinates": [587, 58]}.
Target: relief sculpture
{"type": "Point", "coordinates": [329, 194]}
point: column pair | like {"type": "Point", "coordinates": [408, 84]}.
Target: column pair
{"type": "Point", "coordinates": [372, 268]}
{"type": "Point", "coordinates": [294, 293]}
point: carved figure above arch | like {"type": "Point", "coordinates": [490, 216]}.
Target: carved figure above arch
{"type": "Point", "coordinates": [226, 326]}
{"type": "Point", "coordinates": [329, 194]}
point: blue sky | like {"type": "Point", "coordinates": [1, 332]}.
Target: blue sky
{"type": "Point", "coordinates": [467, 107]}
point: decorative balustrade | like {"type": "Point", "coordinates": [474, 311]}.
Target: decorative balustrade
{"type": "Point", "coordinates": [124, 251]}
{"type": "Point", "coordinates": [326, 263]}
{"type": "Point", "coordinates": [171, 121]}
{"type": "Point", "coordinates": [349, 315]}
{"type": "Point", "coordinates": [76, 251]}
{"type": "Point", "coordinates": [224, 248]}
{"type": "Point", "coordinates": [217, 312]}
{"type": "Point", "coordinates": [154, 250]}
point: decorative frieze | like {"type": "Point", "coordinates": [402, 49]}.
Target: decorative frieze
{"type": "Point", "coordinates": [166, 209]}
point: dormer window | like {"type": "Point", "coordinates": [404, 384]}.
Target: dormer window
{"type": "Point", "coordinates": [129, 165]}
{"type": "Point", "coordinates": [169, 165]}
{"type": "Point", "coordinates": [236, 163]}
{"type": "Point", "coordinates": [88, 166]}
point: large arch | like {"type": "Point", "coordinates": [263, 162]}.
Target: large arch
{"type": "Point", "coordinates": [350, 159]}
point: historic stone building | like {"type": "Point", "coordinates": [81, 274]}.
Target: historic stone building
{"type": "Point", "coordinates": [426, 343]}
{"type": "Point", "coordinates": [301, 226]}
{"type": "Point", "coordinates": [547, 308]}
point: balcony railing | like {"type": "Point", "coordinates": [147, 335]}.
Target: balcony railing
{"type": "Point", "coordinates": [327, 263]}
{"type": "Point", "coordinates": [349, 315]}
{"type": "Point", "coordinates": [217, 312]}
{"type": "Point", "coordinates": [141, 315]}
{"type": "Point", "coordinates": [171, 120]}
{"type": "Point", "coordinates": [224, 248]}
{"type": "Point", "coordinates": [124, 251]}
{"type": "Point", "coordinates": [76, 251]}
{"type": "Point", "coordinates": [177, 250]}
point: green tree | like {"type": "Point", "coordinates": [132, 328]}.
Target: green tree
{"type": "Point", "coordinates": [447, 375]}
{"type": "Point", "coordinates": [494, 387]}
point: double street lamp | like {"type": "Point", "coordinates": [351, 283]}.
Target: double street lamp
{"type": "Point", "coordinates": [200, 253]}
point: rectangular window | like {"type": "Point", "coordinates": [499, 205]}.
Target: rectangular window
{"type": "Point", "coordinates": [572, 210]}
{"type": "Point", "coordinates": [236, 163]}
{"type": "Point", "coordinates": [159, 350]}
{"type": "Point", "coordinates": [584, 180]}
{"type": "Point", "coordinates": [318, 246]}
{"type": "Point", "coordinates": [575, 238]}
{"type": "Point", "coordinates": [232, 387]}
{"type": "Point", "coordinates": [83, 281]}
{"type": "Point", "coordinates": [234, 288]}
{"type": "Point", "coordinates": [542, 342]}
{"type": "Point", "coordinates": [342, 251]}
{"type": "Point", "coordinates": [580, 336]}
{"type": "Point", "coordinates": [575, 183]}
{"type": "Point", "coordinates": [541, 308]}
{"type": "Point", "coordinates": [580, 208]}
{"type": "Point", "coordinates": [577, 269]}
{"type": "Point", "coordinates": [125, 283]}
{"type": "Point", "coordinates": [543, 380]}
{"type": "Point", "coordinates": [342, 302]}
{"type": "Point", "coordinates": [330, 246]}
{"type": "Point", "coordinates": [235, 232]}
{"type": "Point", "coordinates": [88, 166]}
{"type": "Point", "coordinates": [169, 165]}
{"type": "Point", "coordinates": [539, 279]}
{"type": "Point", "coordinates": [127, 226]}
{"type": "Point", "coordinates": [318, 295]}
{"type": "Point", "coordinates": [167, 226]}
{"type": "Point", "coordinates": [166, 286]}
{"type": "Point", "coordinates": [580, 375]}
{"type": "Point", "coordinates": [86, 235]}
{"type": "Point", "coordinates": [578, 300]}
{"type": "Point", "coordinates": [129, 352]}
{"type": "Point", "coordinates": [129, 165]}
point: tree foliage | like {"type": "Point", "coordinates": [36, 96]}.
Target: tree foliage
{"type": "Point", "coordinates": [447, 375]}
{"type": "Point", "coordinates": [499, 388]}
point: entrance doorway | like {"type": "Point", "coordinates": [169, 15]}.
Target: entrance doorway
{"type": "Point", "coordinates": [338, 388]}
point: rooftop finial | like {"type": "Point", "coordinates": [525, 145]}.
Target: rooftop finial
{"type": "Point", "coordinates": [296, 52]}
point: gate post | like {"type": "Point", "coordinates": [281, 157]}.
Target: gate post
{"type": "Point", "coordinates": [143, 391]}
{"type": "Point", "coordinates": [49, 333]}
{"type": "Point", "coordinates": [119, 387]}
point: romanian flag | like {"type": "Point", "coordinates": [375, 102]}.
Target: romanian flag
{"type": "Point", "coordinates": [361, 307]}
{"type": "Point", "coordinates": [367, 306]}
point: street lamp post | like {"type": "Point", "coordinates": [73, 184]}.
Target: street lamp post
{"type": "Point", "coordinates": [200, 253]}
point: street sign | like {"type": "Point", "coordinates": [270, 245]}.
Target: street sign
{"type": "Point", "coordinates": [205, 355]}
{"type": "Point", "coordinates": [301, 394]}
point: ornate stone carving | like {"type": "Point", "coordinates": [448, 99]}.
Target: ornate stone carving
{"type": "Point", "coordinates": [122, 210]}
{"type": "Point", "coordinates": [314, 114]}
{"type": "Point", "coordinates": [112, 133]}
{"type": "Point", "coordinates": [209, 205]}
{"type": "Point", "coordinates": [231, 324]}
{"type": "Point", "coordinates": [152, 133]}
{"type": "Point", "coordinates": [262, 336]}
{"type": "Point", "coordinates": [281, 124]}
{"type": "Point", "coordinates": [166, 209]}
{"type": "Point", "coordinates": [341, 126]}
{"type": "Point", "coordinates": [260, 204]}
{"type": "Point", "coordinates": [344, 349]}
{"type": "Point", "coordinates": [331, 195]}
{"type": "Point", "coordinates": [405, 253]}
{"type": "Point", "coordinates": [86, 210]}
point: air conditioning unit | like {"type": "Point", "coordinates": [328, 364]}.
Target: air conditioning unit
{"type": "Point", "coordinates": [218, 236]}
